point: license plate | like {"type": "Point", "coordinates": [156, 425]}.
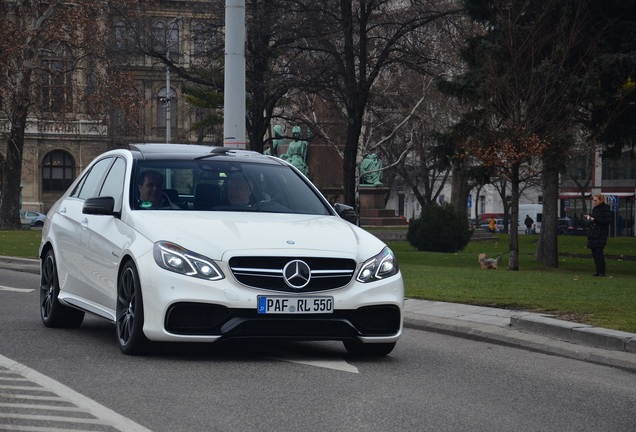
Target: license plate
{"type": "Point", "coordinates": [294, 305]}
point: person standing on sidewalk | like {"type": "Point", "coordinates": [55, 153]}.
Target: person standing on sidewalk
{"type": "Point", "coordinates": [597, 231]}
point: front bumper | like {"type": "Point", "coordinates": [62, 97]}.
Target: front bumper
{"type": "Point", "coordinates": [187, 309]}
{"type": "Point", "coordinates": [200, 319]}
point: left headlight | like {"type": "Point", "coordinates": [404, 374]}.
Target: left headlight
{"type": "Point", "coordinates": [174, 258]}
{"type": "Point", "coordinates": [379, 267]}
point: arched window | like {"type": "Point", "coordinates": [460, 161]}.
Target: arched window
{"type": "Point", "coordinates": [199, 42]}
{"type": "Point", "coordinates": [167, 37]}
{"type": "Point", "coordinates": [173, 38]}
{"type": "Point", "coordinates": [57, 77]}
{"type": "Point", "coordinates": [57, 171]}
{"type": "Point", "coordinates": [160, 36]}
{"type": "Point", "coordinates": [162, 102]}
{"type": "Point", "coordinates": [121, 35]}
{"type": "Point", "coordinates": [126, 35]}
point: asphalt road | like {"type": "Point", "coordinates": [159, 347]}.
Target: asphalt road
{"type": "Point", "coordinates": [430, 382]}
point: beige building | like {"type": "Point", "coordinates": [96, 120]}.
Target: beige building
{"type": "Point", "coordinates": [57, 150]}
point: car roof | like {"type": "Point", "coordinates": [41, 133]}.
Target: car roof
{"type": "Point", "coordinates": [194, 151]}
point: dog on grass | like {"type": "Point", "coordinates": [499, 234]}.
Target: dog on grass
{"type": "Point", "coordinates": [488, 263]}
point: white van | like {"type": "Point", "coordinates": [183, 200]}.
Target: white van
{"type": "Point", "coordinates": [535, 211]}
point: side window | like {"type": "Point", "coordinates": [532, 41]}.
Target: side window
{"type": "Point", "coordinates": [114, 183]}
{"type": "Point", "coordinates": [94, 178]}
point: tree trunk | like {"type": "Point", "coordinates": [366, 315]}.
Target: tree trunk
{"type": "Point", "coordinates": [513, 246]}
{"type": "Point", "coordinates": [459, 189]}
{"type": "Point", "coordinates": [548, 246]}
{"type": "Point", "coordinates": [350, 164]}
{"type": "Point", "coordinates": [10, 203]}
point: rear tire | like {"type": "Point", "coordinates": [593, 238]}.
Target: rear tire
{"type": "Point", "coordinates": [53, 313]}
{"type": "Point", "coordinates": [130, 313]}
{"type": "Point", "coordinates": [359, 349]}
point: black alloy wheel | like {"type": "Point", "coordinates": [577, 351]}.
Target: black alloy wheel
{"type": "Point", "coordinates": [130, 313]}
{"type": "Point", "coordinates": [53, 313]}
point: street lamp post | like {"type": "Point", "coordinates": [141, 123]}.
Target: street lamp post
{"type": "Point", "coordinates": [168, 99]}
{"type": "Point", "coordinates": [234, 86]}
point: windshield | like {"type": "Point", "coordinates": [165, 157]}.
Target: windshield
{"type": "Point", "coordinates": [213, 185]}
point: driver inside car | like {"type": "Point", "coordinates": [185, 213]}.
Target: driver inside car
{"type": "Point", "coordinates": [238, 191]}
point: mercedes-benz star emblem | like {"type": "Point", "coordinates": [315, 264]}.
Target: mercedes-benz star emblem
{"type": "Point", "coordinates": [296, 274]}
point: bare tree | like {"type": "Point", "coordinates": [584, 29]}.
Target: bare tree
{"type": "Point", "coordinates": [346, 48]}
{"type": "Point", "coordinates": [424, 168]}
{"type": "Point", "coordinates": [50, 65]}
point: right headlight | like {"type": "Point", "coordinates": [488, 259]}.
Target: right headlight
{"type": "Point", "coordinates": [174, 258]}
{"type": "Point", "coordinates": [378, 267]}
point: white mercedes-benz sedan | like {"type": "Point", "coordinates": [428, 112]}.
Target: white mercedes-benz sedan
{"type": "Point", "coordinates": [200, 244]}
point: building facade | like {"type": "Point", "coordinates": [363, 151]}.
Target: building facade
{"type": "Point", "coordinates": [58, 147]}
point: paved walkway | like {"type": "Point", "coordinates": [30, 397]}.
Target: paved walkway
{"type": "Point", "coordinates": [533, 331]}
{"type": "Point", "coordinates": [528, 330]}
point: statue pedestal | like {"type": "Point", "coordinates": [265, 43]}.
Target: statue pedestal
{"type": "Point", "coordinates": [372, 211]}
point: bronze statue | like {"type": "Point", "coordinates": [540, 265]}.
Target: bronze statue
{"type": "Point", "coordinates": [371, 170]}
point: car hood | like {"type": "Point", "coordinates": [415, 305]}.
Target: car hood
{"type": "Point", "coordinates": [215, 234]}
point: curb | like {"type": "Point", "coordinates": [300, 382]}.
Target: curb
{"type": "Point", "coordinates": [522, 339]}
{"type": "Point", "coordinates": [577, 333]}
{"type": "Point", "coordinates": [27, 265]}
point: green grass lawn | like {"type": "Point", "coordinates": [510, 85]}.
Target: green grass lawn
{"type": "Point", "coordinates": [570, 292]}
{"type": "Point", "coordinates": [20, 243]}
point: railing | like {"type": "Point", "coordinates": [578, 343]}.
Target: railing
{"type": "Point", "coordinates": [59, 127]}
{"type": "Point", "coordinates": [95, 128]}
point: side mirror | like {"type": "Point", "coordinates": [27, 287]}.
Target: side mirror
{"type": "Point", "coordinates": [346, 212]}
{"type": "Point", "coordinates": [99, 206]}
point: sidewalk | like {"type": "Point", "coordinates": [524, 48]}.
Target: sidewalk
{"type": "Point", "coordinates": [527, 330]}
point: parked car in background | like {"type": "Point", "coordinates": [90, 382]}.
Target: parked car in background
{"type": "Point", "coordinates": [38, 221]}
{"type": "Point", "coordinates": [190, 243]}
{"type": "Point", "coordinates": [33, 218]}
{"type": "Point", "coordinates": [499, 225]}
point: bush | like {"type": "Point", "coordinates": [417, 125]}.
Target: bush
{"type": "Point", "coordinates": [440, 228]}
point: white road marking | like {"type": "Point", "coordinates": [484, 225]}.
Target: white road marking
{"type": "Point", "coordinates": [6, 288]}
{"type": "Point", "coordinates": [335, 364]}
{"type": "Point", "coordinates": [103, 415]}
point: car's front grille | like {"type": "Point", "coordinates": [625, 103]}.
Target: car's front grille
{"type": "Point", "coordinates": [215, 320]}
{"type": "Point", "coordinates": [270, 273]}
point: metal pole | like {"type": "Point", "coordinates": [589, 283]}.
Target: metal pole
{"type": "Point", "coordinates": [168, 94]}
{"type": "Point", "coordinates": [168, 89]}
{"type": "Point", "coordinates": [234, 87]}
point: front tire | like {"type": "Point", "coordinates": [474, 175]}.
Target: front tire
{"type": "Point", "coordinates": [130, 313]}
{"type": "Point", "coordinates": [359, 349]}
{"type": "Point", "coordinates": [53, 313]}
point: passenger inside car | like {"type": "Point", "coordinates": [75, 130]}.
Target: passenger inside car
{"type": "Point", "coordinates": [151, 193]}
